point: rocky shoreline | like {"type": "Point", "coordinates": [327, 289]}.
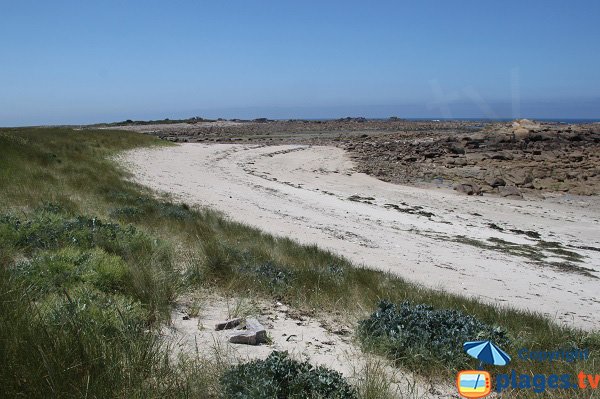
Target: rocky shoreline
{"type": "Point", "coordinates": [508, 159]}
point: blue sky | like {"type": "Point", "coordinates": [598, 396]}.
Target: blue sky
{"type": "Point", "coordinates": [84, 61]}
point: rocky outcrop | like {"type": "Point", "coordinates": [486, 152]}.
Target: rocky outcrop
{"type": "Point", "coordinates": [503, 159]}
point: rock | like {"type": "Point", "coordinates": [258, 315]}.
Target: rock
{"type": "Point", "coordinates": [431, 154]}
{"type": "Point", "coordinates": [496, 182]}
{"type": "Point", "coordinates": [519, 177]}
{"type": "Point", "coordinates": [455, 149]}
{"type": "Point", "coordinates": [510, 191]}
{"type": "Point", "coordinates": [226, 325]}
{"type": "Point", "coordinates": [253, 324]}
{"type": "Point", "coordinates": [486, 189]}
{"type": "Point", "coordinates": [468, 188]}
{"type": "Point", "coordinates": [521, 133]}
{"type": "Point", "coordinates": [503, 156]}
{"type": "Point", "coordinates": [254, 334]}
{"type": "Point", "coordinates": [526, 123]}
{"type": "Point", "coordinates": [546, 183]}
{"type": "Point", "coordinates": [576, 157]}
{"type": "Point", "coordinates": [248, 337]}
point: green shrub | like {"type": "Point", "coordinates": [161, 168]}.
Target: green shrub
{"type": "Point", "coordinates": [65, 250]}
{"type": "Point", "coordinates": [280, 377]}
{"type": "Point", "coordinates": [108, 273]}
{"type": "Point", "coordinates": [52, 271]}
{"type": "Point", "coordinates": [90, 313]}
{"type": "Point", "coordinates": [46, 230]}
{"type": "Point", "coordinates": [420, 335]}
{"type": "Point", "coordinates": [57, 270]}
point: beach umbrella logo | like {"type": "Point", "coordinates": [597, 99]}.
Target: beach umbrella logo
{"type": "Point", "coordinates": [475, 384]}
{"type": "Point", "coordinates": [487, 353]}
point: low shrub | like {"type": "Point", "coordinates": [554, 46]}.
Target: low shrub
{"type": "Point", "coordinates": [422, 336]}
{"type": "Point", "coordinates": [46, 230]}
{"type": "Point", "coordinates": [57, 270]}
{"type": "Point", "coordinates": [62, 250]}
{"type": "Point", "coordinates": [280, 377]}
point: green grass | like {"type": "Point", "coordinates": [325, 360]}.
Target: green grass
{"type": "Point", "coordinates": [91, 263]}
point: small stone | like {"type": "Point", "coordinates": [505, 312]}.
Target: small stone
{"type": "Point", "coordinates": [502, 156]}
{"type": "Point", "coordinates": [226, 325]}
{"type": "Point", "coordinates": [496, 182]}
{"type": "Point", "coordinates": [249, 337]}
{"type": "Point", "coordinates": [510, 191]}
{"type": "Point", "coordinates": [468, 188]}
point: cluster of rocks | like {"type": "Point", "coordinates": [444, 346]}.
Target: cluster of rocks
{"type": "Point", "coordinates": [246, 331]}
{"type": "Point", "coordinates": [506, 159]}
{"type": "Point", "coordinates": [265, 131]}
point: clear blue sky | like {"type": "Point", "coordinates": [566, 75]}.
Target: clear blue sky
{"type": "Point", "coordinates": [83, 61]}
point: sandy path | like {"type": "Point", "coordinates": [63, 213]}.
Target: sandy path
{"type": "Point", "coordinates": [302, 192]}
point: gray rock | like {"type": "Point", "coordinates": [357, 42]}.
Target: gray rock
{"type": "Point", "coordinates": [495, 182]}
{"type": "Point", "coordinates": [254, 334]}
{"type": "Point", "coordinates": [468, 188]}
{"type": "Point", "coordinates": [455, 149]}
{"type": "Point", "coordinates": [510, 191]}
{"type": "Point", "coordinates": [502, 156]}
{"type": "Point", "coordinates": [520, 177]}
{"type": "Point", "coordinates": [226, 325]}
{"type": "Point", "coordinates": [249, 337]}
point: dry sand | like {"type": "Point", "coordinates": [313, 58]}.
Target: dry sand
{"type": "Point", "coordinates": [325, 340]}
{"type": "Point", "coordinates": [303, 192]}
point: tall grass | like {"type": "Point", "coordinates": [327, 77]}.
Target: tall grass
{"type": "Point", "coordinates": [91, 261]}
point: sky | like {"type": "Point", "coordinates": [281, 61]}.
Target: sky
{"type": "Point", "coordinates": [76, 62]}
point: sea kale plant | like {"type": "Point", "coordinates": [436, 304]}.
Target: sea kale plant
{"type": "Point", "coordinates": [420, 336]}
{"type": "Point", "coordinates": [280, 377]}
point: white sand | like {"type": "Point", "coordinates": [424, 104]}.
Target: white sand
{"type": "Point", "coordinates": [302, 192]}
{"type": "Point", "coordinates": [315, 338]}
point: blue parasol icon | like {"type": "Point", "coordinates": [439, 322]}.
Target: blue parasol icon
{"type": "Point", "coordinates": [486, 352]}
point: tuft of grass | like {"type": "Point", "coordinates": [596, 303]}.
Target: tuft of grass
{"type": "Point", "coordinates": [376, 380]}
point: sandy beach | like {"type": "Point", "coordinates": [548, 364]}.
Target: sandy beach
{"type": "Point", "coordinates": [491, 248]}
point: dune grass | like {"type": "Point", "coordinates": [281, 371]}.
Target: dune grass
{"type": "Point", "coordinates": [89, 258]}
